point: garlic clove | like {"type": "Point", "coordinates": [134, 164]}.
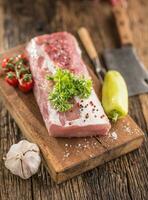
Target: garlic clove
{"type": "Point", "coordinates": [14, 165]}
{"type": "Point", "coordinates": [31, 163]}
{"type": "Point", "coordinates": [26, 172]}
{"type": "Point", "coordinates": [23, 159]}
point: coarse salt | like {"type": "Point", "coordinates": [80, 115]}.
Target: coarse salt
{"type": "Point", "coordinates": [66, 155]}
{"type": "Point", "coordinates": [114, 135]}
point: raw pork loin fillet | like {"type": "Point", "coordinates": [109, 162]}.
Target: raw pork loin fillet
{"type": "Point", "coordinates": [87, 117]}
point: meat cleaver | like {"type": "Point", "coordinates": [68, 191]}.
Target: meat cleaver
{"type": "Point", "coordinates": [125, 59]}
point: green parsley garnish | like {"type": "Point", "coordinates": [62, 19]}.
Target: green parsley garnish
{"type": "Point", "coordinates": [66, 87]}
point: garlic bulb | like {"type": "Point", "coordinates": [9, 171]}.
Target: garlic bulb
{"type": "Point", "coordinates": [23, 159]}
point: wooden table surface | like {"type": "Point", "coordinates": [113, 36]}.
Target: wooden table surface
{"type": "Point", "coordinates": [125, 178]}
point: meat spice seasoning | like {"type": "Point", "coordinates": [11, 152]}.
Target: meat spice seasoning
{"type": "Point", "coordinates": [87, 116]}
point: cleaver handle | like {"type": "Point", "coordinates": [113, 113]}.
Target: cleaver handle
{"type": "Point", "coordinates": [122, 23]}
{"type": "Point", "coordinates": [91, 51]}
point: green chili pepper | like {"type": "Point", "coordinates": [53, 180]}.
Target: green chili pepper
{"type": "Point", "coordinates": [114, 95]}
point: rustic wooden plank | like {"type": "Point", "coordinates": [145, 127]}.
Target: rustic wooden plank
{"type": "Point", "coordinates": [10, 186]}
{"type": "Point", "coordinates": [9, 133]}
{"type": "Point", "coordinates": [139, 20]}
{"type": "Point", "coordinates": [2, 26]}
{"type": "Point", "coordinates": [122, 178]}
{"type": "Point", "coordinates": [135, 107]}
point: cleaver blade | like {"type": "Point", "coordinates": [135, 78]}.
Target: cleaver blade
{"type": "Point", "coordinates": [125, 60]}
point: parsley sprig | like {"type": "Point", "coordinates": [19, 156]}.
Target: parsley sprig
{"type": "Point", "coordinates": [66, 87]}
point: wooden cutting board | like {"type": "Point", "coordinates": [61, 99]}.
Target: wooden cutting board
{"type": "Point", "coordinates": [65, 157]}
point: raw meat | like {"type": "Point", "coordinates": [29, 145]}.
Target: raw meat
{"type": "Point", "coordinates": [87, 117]}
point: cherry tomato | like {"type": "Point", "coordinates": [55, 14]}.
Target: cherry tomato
{"type": "Point", "coordinates": [11, 79]}
{"type": "Point", "coordinates": [26, 83]}
{"type": "Point", "coordinates": [5, 62]}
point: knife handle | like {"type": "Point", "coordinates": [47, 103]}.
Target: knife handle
{"type": "Point", "coordinates": [88, 43]}
{"type": "Point", "coordinates": [92, 53]}
{"type": "Point", "coordinates": [122, 23]}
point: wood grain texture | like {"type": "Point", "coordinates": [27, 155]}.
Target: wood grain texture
{"type": "Point", "coordinates": [123, 178]}
{"type": "Point", "coordinates": [123, 25]}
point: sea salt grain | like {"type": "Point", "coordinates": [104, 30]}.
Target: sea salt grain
{"type": "Point", "coordinates": [114, 135]}
{"type": "Point", "coordinates": [66, 155]}
{"type": "Point", "coordinates": [128, 129]}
